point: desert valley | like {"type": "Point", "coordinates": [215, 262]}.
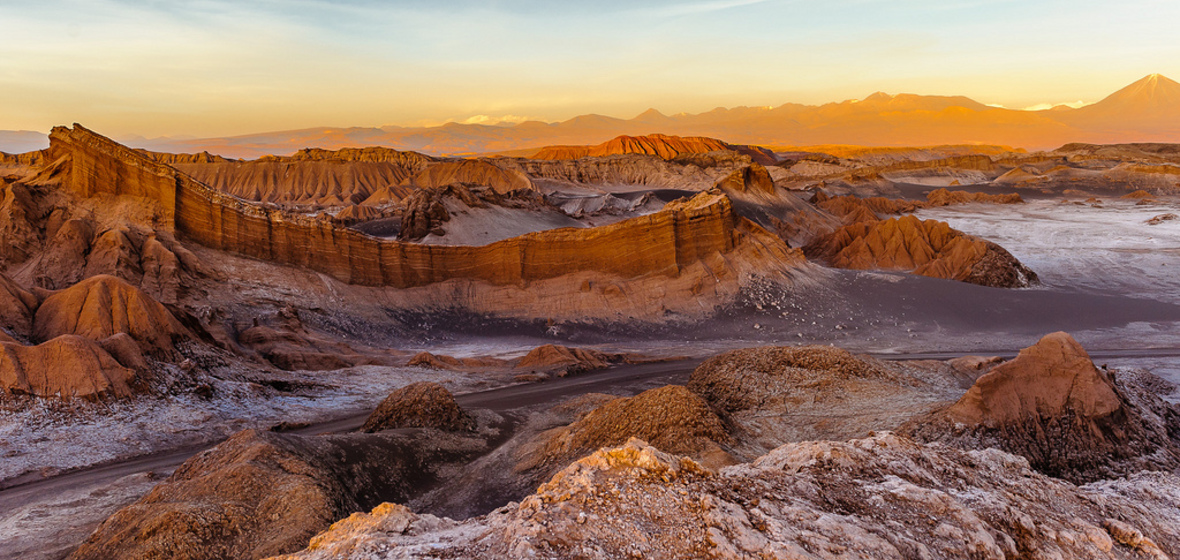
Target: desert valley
{"type": "Point", "coordinates": [733, 334]}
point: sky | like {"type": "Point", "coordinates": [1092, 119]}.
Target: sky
{"type": "Point", "coordinates": [217, 68]}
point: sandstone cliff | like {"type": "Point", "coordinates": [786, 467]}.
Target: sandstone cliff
{"type": "Point", "coordinates": [661, 243]}
{"type": "Point", "coordinates": [923, 247]}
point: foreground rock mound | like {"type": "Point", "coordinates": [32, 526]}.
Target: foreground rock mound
{"type": "Point", "coordinates": [773, 377]}
{"type": "Point", "coordinates": [261, 493]}
{"type": "Point", "coordinates": [419, 405]}
{"type": "Point", "coordinates": [923, 247]}
{"type": "Point", "coordinates": [1067, 417]}
{"type": "Point", "coordinates": [66, 367]}
{"type": "Point", "coordinates": [884, 497]}
{"type": "Point", "coordinates": [102, 306]}
{"type": "Point", "coordinates": [672, 418]}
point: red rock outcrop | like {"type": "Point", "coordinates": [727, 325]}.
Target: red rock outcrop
{"type": "Point", "coordinates": [63, 263]}
{"type": "Point", "coordinates": [882, 498]}
{"type": "Point", "coordinates": [66, 367]}
{"type": "Point", "coordinates": [419, 405]}
{"type": "Point", "coordinates": [923, 247]}
{"type": "Point", "coordinates": [102, 306]}
{"type": "Point", "coordinates": [752, 179]}
{"type": "Point", "coordinates": [1067, 417]}
{"type": "Point", "coordinates": [664, 146]}
{"type": "Point", "coordinates": [471, 172]}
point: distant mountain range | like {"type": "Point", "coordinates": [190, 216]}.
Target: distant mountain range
{"type": "Point", "coordinates": [1145, 111]}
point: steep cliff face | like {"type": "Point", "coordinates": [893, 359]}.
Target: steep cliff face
{"type": "Point", "coordinates": [923, 247]}
{"type": "Point", "coordinates": [660, 145]}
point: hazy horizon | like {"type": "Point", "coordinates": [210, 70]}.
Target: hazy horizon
{"type": "Point", "coordinates": [215, 68]}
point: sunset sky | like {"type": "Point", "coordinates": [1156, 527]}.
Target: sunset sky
{"type": "Point", "coordinates": [213, 67]}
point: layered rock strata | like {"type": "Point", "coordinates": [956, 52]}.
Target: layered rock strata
{"type": "Point", "coordinates": [660, 243]}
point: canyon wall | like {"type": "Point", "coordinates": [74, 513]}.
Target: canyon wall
{"type": "Point", "coordinates": [664, 242]}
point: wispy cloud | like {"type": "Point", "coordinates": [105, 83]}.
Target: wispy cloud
{"type": "Point", "coordinates": [697, 8]}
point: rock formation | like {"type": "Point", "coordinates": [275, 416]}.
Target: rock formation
{"type": "Point", "coordinates": [943, 197]}
{"type": "Point", "coordinates": [17, 307]}
{"type": "Point", "coordinates": [419, 405]}
{"type": "Point", "coordinates": [752, 179]}
{"type": "Point", "coordinates": [66, 367]}
{"type": "Point", "coordinates": [470, 171]}
{"type": "Point", "coordinates": [309, 177]}
{"type": "Point", "coordinates": [663, 146]}
{"type": "Point", "coordinates": [673, 418]}
{"type": "Point", "coordinates": [1067, 417]}
{"type": "Point", "coordinates": [552, 358]}
{"type": "Point", "coordinates": [283, 340]}
{"type": "Point", "coordinates": [438, 361]}
{"type": "Point", "coordinates": [771, 377]}
{"type": "Point", "coordinates": [662, 243]}
{"type": "Point", "coordinates": [923, 247]}
{"type": "Point", "coordinates": [102, 306]}
{"type": "Point", "coordinates": [18, 214]}
{"type": "Point", "coordinates": [884, 497]}
{"type": "Point", "coordinates": [261, 493]}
